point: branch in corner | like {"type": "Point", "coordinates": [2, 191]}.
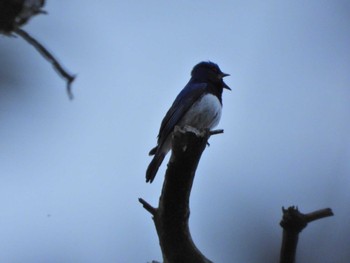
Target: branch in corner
{"type": "Point", "coordinates": [15, 14]}
{"type": "Point", "coordinates": [50, 58]}
{"type": "Point", "coordinates": [293, 222]}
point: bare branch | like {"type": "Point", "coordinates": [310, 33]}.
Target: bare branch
{"type": "Point", "coordinates": [214, 132]}
{"type": "Point", "coordinates": [293, 222]}
{"type": "Point", "coordinates": [318, 214]}
{"type": "Point", "coordinates": [173, 212]}
{"type": "Point", "coordinates": [49, 57]}
{"type": "Point", "coordinates": [148, 207]}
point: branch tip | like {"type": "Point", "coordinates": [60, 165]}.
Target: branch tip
{"type": "Point", "coordinates": [214, 132]}
{"type": "Point", "coordinates": [69, 86]}
{"type": "Point", "coordinates": [326, 212]}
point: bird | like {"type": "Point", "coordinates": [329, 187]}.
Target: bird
{"type": "Point", "coordinates": [198, 105]}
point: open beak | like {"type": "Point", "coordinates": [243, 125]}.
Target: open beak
{"type": "Point", "coordinates": [224, 84]}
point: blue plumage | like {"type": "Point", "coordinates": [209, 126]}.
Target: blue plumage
{"type": "Point", "coordinates": [198, 105]}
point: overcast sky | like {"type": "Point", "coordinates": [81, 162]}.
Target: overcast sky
{"type": "Point", "coordinates": [71, 171]}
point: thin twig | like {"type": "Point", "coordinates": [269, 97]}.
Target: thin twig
{"type": "Point", "coordinates": [148, 207]}
{"type": "Point", "coordinates": [49, 57]}
{"type": "Point", "coordinates": [214, 132]}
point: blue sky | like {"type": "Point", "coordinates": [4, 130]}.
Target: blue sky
{"type": "Point", "coordinates": [71, 171]}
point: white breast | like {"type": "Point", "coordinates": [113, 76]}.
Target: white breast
{"type": "Point", "coordinates": [205, 113]}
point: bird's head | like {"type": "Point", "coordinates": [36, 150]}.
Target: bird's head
{"type": "Point", "coordinates": [209, 71]}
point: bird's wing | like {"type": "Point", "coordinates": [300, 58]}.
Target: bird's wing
{"type": "Point", "coordinates": [190, 93]}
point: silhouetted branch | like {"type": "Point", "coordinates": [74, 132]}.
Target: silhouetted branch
{"type": "Point", "coordinates": [214, 132]}
{"type": "Point", "coordinates": [318, 214]}
{"type": "Point", "coordinates": [49, 57]}
{"type": "Point", "coordinates": [293, 222]}
{"type": "Point", "coordinates": [14, 14]}
{"type": "Point", "coordinates": [148, 207]}
{"type": "Point", "coordinates": [173, 212]}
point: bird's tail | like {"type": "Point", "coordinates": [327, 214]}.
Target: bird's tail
{"type": "Point", "coordinates": [154, 166]}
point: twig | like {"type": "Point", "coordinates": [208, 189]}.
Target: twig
{"type": "Point", "coordinates": [49, 57]}
{"type": "Point", "coordinates": [214, 132]}
{"type": "Point", "coordinates": [148, 207]}
{"type": "Point", "coordinates": [318, 214]}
